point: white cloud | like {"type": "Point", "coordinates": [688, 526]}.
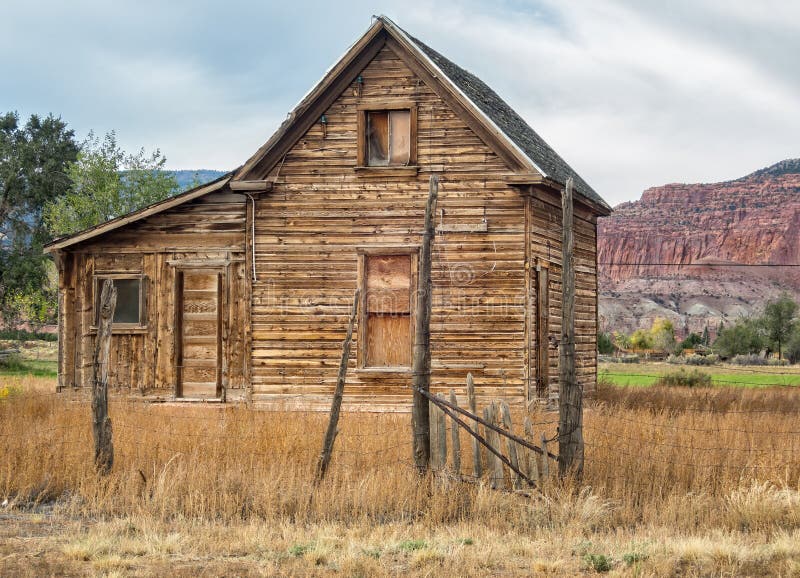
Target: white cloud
{"type": "Point", "coordinates": [632, 93]}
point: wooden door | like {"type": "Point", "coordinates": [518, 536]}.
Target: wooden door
{"type": "Point", "coordinates": [199, 331]}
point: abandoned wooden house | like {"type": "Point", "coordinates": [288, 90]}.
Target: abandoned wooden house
{"type": "Point", "coordinates": [242, 288]}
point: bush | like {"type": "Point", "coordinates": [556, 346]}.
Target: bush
{"type": "Point", "coordinates": [623, 359]}
{"type": "Point", "coordinates": [701, 359]}
{"type": "Point", "coordinates": [11, 362]}
{"type": "Point", "coordinates": [749, 360]}
{"type": "Point", "coordinates": [693, 359]}
{"type": "Point", "coordinates": [684, 378]}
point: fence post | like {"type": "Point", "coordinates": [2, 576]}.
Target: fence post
{"type": "Point", "coordinates": [455, 440]}
{"type": "Point", "coordinates": [511, 444]}
{"type": "Point", "coordinates": [421, 362]}
{"type": "Point", "coordinates": [545, 458]}
{"type": "Point", "coordinates": [570, 396]}
{"type": "Point", "coordinates": [336, 404]}
{"type": "Point", "coordinates": [477, 470]}
{"type": "Point", "coordinates": [533, 467]}
{"type": "Point", "coordinates": [493, 438]}
{"type": "Point", "coordinates": [101, 423]}
{"type": "Point", "coordinates": [433, 420]}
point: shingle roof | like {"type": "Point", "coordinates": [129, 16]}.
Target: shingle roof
{"type": "Point", "coordinates": [511, 123]}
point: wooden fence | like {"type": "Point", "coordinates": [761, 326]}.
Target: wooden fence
{"type": "Point", "coordinates": [512, 461]}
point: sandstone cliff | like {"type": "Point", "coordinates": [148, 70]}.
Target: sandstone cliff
{"type": "Point", "coordinates": [685, 251]}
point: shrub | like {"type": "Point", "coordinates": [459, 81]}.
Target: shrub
{"type": "Point", "coordinates": [701, 359]}
{"type": "Point", "coordinates": [11, 362]}
{"type": "Point", "coordinates": [598, 562]}
{"type": "Point", "coordinates": [623, 359]}
{"type": "Point", "coordinates": [684, 378]}
{"type": "Point", "coordinates": [751, 359]}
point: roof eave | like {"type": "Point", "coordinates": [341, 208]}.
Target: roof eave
{"type": "Point", "coordinates": [123, 220]}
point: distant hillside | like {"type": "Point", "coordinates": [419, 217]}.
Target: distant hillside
{"type": "Point", "coordinates": [688, 242]}
{"type": "Point", "coordinates": [189, 178]}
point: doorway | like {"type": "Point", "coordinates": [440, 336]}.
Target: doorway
{"type": "Point", "coordinates": [199, 333]}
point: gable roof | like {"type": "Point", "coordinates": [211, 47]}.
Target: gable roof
{"type": "Point", "coordinates": [143, 213]}
{"type": "Point", "coordinates": [508, 129]}
{"type": "Point", "coordinates": [496, 122]}
{"type": "Point", "coordinates": [547, 161]}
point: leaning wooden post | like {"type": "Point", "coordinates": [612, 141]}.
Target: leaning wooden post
{"type": "Point", "coordinates": [477, 470]}
{"type": "Point", "coordinates": [421, 363]}
{"type": "Point", "coordinates": [101, 423]}
{"type": "Point", "coordinates": [570, 398]}
{"type": "Point", "coordinates": [505, 412]}
{"type": "Point", "coordinates": [336, 404]}
{"type": "Point", "coordinates": [456, 442]}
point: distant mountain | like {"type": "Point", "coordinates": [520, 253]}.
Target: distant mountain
{"type": "Point", "coordinates": [191, 178]}
{"type": "Point", "coordinates": [678, 251]}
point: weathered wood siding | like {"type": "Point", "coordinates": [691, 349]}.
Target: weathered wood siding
{"type": "Point", "coordinates": [322, 210]}
{"type": "Point", "coordinates": [210, 229]}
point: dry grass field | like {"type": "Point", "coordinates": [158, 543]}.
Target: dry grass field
{"type": "Point", "coordinates": [678, 482]}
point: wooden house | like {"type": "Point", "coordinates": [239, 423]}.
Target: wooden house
{"type": "Point", "coordinates": [242, 288]}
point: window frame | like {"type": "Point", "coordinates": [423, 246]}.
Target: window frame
{"type": "Point", "coordinates": [117, 327]}
{"type": "Point", "coordinates": [363, 314]}
{"type": "Point", "coordinates": [362, 162]}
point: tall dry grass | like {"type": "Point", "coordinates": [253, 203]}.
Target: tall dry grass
{"type": "Point", "coordinates": [687, 465]}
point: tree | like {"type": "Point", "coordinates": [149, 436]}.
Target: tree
{"type": "Point", "coordinates": [792, 349]}
{"type": "Point", "coordinates": [605, 344]}
{"type": "Point", "coordinates": [744, 337]}
{"type": "Point", "coordinates": [706, 339]}
{"type": "Point", "coordinates": [33, 171]}
{"type": "Point", "coordinates": [640, 339]}
{"type": "Point", "coordinates": [779, 320]}
{"type": "Point", "coordinates": [691, 342]}
{"type": "Point", "coordinates": [662, 335]}
{"type": "Point", "coordinates": [107, 183]}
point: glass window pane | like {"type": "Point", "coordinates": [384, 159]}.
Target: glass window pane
{"type": "Point", "coordinates": [377, 138]}
{"type": "Point", "coordinates": [399, 137]}
{"type": "Point", "coordinates": [127, 309]}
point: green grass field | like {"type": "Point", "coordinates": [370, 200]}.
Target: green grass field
{"type": "Point", "coordinates": [646, 374]}
{"type": "Point", "coordinates": [36, 368]}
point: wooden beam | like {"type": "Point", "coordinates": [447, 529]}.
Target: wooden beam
{"type": "Point", "coordinates": [570, 397]}
{"type": "Point", "coordinates": [258, 186]}
{"type": "Point", "coordinates": [101, 423]}
{"type": "Point", "coordinates": [421, 362]}
{"type": "Point", "coordinates": [336, 404]}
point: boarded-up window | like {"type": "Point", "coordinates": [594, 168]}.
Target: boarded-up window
{"type": "Point", "coordinates": [542, 331]}
{"type": "Point", "coordinates": [387, 311]}
{"type": "Point", "coordinates": [388, 137]}
{"type": "Point", "coordinates": [129, 299]}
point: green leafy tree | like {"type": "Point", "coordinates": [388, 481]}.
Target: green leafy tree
{"type": "Point", "coordinates": [34, 161]}
{"type": "Point", "coordinates": [107, 183]}
{"type": "Point", "coordinates": [692, 341]}
{"type": "Point", "coordinates": [792, 349]}
{"type": "Point", "coordinates": [745, 337]}
{"type": "Point", "coordinates": [605, 343]}
{"type": "Point", "coordinates": [779, 321]}
{"type": "Point", "coordinates": [662, 335]}
{"type": "Point", "coordinates": [706, 339]}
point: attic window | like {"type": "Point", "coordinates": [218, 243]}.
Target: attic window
{"type": "Point", "coordinates": [387, 137]}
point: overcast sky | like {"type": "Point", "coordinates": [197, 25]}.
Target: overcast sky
{"type": "Point", "coordinates": [631, 93]}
